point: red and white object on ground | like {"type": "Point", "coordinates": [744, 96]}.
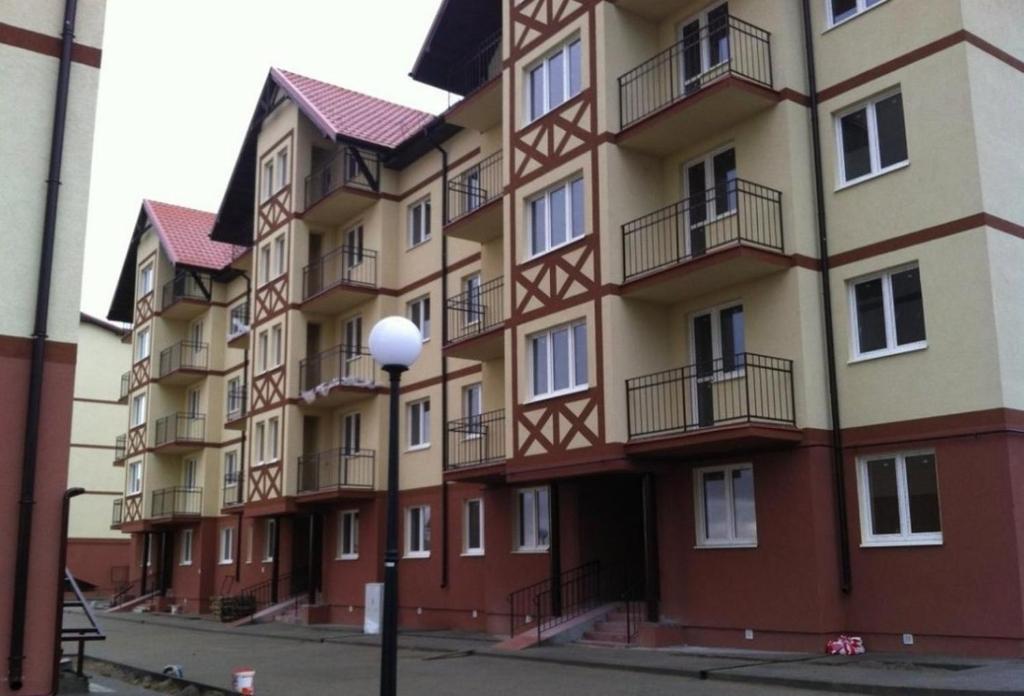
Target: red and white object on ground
{"type": "Point", "coordinates": [242, 679]}
{"type": "Point", "coordinates": [845, 645]}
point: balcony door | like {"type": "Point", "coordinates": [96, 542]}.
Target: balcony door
{"type": "Point", "coordinates": [309, 473]}
{"type": "Point", "coordinates": [312, 355]}
{"type": "Point", "coordinates": [353, 251]}
{"type": "Point", "coordinates": [709, 189]}
{"type": "Point", "coordinates": [351, 425]}
{"type": "Point", "coordinates": [717, 345]}
{"type": "Point", "coordinates": [474, 308]}
{"type": "Point", "coordinates": [315, 274]}
{"type": "Point", "coordinates": [352, 333]}
{"type": "Point", "coordinates": [704, 43]}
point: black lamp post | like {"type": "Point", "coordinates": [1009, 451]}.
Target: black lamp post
{"type": "Point", "coordinates": [395, 343]}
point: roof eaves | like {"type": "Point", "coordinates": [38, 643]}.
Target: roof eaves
{"type": "Point", "coordinates": [304, 104]}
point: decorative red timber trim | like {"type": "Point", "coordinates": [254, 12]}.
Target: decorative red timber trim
{"type": "Point", "coordinates": [85, 446]}
{"type": "Point", "coordinates": [20, 348]}
{"type": "Point", "coordinates": [108, 402]}
{"type": "Point", "coordinates": [995, 420]}
{"type": "Point", "coordinates": [432, 381]}
{"type": "Point", "coordinates": [994, 51]}
{"type": "Point", "coordinates": [29, 40]}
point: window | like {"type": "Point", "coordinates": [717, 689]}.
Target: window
{"type": "Point", "coordinates": [533, 519]}
{"type": "Point", "coordinates": [417, 531]}
{"type": "Point", "coordinates": [899, 500]}
{"type": "Point", "coordinates": [264, 265]}
{"type": "Point", "coordinates": [558, 360]}
{"type": "Point", "coordinates": [348, 534]}
{"type": "Point", "coordinates": [282, 169]}
{"type": "Point", "coordinates": [887, 312]}
{"type": "Point", "coordinates": [238, 320]}
{"type": "Point", "coordinates": [146, 280]}
{"type": "Point", "coordinates": [279, 256]}
{"type": "Point", "coordinates": [419, 424]}
{"type": "Point", "coordinates": [192, 401]}
{"type": "Point", "coordinates": [419, 314]}
{"type": "Point", "coordinates": [236, 398]}
{"type": "Point", "coordinates": [264, 349]}
{"type": "Point", "coordinates": [871, 139]}
{"type": "Point", "coordinates": [472, 408]}
{"type": "Point", "coordinates": [135, 478]}
{"type": "Point", "coordinates": [190, 473]}
{"type": "Point", "coordinates": [473, 528]}
{"type": "Point", "coordinates": [186, 548]}
{"type": "Point", "coordinates": [230, 468]}
{"type": "Point", "coordinates": [556, 217]}
{"type": "Point", "coordinates": [268, 179]}
{"type": "Point", "coordinates": [419, 222]}
{"type": "Point", "coordinates": [719, 340]}
{"type": "Point", "coordinates": [250, 541]}
{"type": "Point", "coordinates": [277, 345]}
{"type": "Point", "coordinates": [841, 10]}
{"type": "Point", "coordinates": [272, 432]}
{"type": "Point", "coordinates": [353, 249]}
{"type": "Point", "coordinates": [142, 344]}
{"type": "Point", "coordinates": [710, 189]}
{"type": "Point", "coordinates": [725, 506]}
{"type": "Point", "coordinates": [269, 540]}
{"type": "Point", "coordinates": [555, 80]}
{"type": "Point", "coordinates": [352, 331]}
{"type": "Point", "coordinates": [227, 545]}
{"type": "Point", "coordinates": [351, 432]}
{"type": "Point", "coordinates": [261, 444]}
{"type": "Point", "coordinates": [138, 410]}
{"type": "Point", "coordinates": [474, 308]}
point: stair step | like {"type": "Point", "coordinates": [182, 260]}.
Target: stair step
{"type": "Point", "coordinates": [608, 636]}
{"type": "Point", "coordinates": [611, 626]}
{"type": "Point", "coordinates": [616, 616]}
{"type": "Point", "coordinates": [600, 643]}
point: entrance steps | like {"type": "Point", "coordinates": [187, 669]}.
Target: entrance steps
{"type": "Point", "coordinates": [612, 632]}
{"type": "Point", "coordinates": [270, 613]}
{"type": "Point", "coordinates": [145, 601]}
{"type": "Point", "coordinates": [568, 632]}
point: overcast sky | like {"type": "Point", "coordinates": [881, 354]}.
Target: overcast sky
{"type": "Point", "coordinates": [179, 83]}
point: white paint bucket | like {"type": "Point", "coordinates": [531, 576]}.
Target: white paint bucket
{"type": "Point", "coordinates": [242, 679]}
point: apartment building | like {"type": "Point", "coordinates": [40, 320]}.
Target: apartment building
{"type": "Point", "coordinates": [681, 349]}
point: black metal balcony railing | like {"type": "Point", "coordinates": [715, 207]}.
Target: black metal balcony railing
{"type": "Point", "coordinates": [117, 515]}
{"type": "Point", "coordinates": [180, 427]}
{"type": "Point", "coordinates": [342, 266]}
{"type": "Point", "coordinates": [126, 384]}
{"type": "Point", "coordinates": [476, 311]}
{"type": "Point", "coordinates": [475, 187]}
{"type": "Point", "coordinates": [476, 440]}
{"type": "Point", "coordinates": [120, 447]}
{"type": "Point", "coordinates": [735, 212]}
{"type": "Point", "coordinates": [347, 366]}
{"type": "Point", "coordinates": [476, 66]}
{"type": "Point", "coordinates": [725, 46]}
{"type": "Point", "coordinates": [187, 285]}
{"type": "Point", "coordinates": [238, 320]}
{"type": "Point", "coordinates": [743, 388]}
{"type": "Point", "coordinates": [184, 355]}
{"type": "Point", "coordinates": [177, 500]}
{"type": "Point", "coordinates": [335, 469]}
{"type": "Point", "coordinates": [236, 402]}
{"type": "Point", "coordinates": [351, 167]}
{"type": "Point", "coordinates": [233, 489]}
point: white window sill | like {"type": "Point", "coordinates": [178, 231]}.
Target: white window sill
{"type": "Point", "coordinates": [418, 448]}
{"type": "Point", "coordinates": [227, 562]}
{"type": "Point", "coordinates": [903, 542]}
{"type": "Point", "coordinates": [557, 394]}
{"type": "Point", "coordinates": [550, 250]}
{"type": "Point", "coordinates": [183, 563]}
{"type": "Point", "coordinates": [726, 545]}
{"type": "Point", "coordinates": [136, 494]}
{"type": "Point", "coordinates": [412, 555]}
{"type": "Point", "coordinates": [543, 549]}
{"type": "Point", "coordinates": [347, 557]}
{"type": "Point", "coordinates": [873, 175]}
{"type": "Point", "coordinates": [418, 244]}
{"type": "Point", "coordinates": [267, 560]}
{"type": "Point", "coordinates": [867, 357]}
{"type": "Point", "coordinates": [855, 15]}
{"type": "Point", "coordinates": [472, 554]}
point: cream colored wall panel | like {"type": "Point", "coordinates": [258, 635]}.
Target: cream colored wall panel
{"type": "Point", "coordinates": [997, 22]}
{"type": "Point", "coordinates": [47, 17]}
{"type": "Point", "coordinates": [1006, 259]}
{"type": "Point", "coordinates": [90, 517]}
{"type": "Point", "coordinates": [102, 359]}
{"type": "Point", "coordinates": [422, 467]}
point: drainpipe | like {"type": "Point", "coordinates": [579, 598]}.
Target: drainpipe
{"type": "Point", "coordinates": [26, 504]}
{"type": "Point", "coordinates": [839, 481]}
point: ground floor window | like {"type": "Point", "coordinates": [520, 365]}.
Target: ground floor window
{"type": "Point", "coordinates": [186, 547]}
{"type": "Point", "coordinates": [227, 544]}
{"type": "Point", "coordinates": [348, 534]}
{"type": "Point", "coordinates": [417, 531]}
{"type": "Point", "coordinates": [533, 519]}
{"type": "Point", "coordinates": [269, 540]}
{"type": "Point", "coordinates": [725, 505]}
{"type": "Point", "coordinates": [899, 499]}
{"type": "Point", "coordinates": [473, 528]}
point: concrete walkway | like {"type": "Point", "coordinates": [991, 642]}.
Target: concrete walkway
{"type": "Point", "coordinates": [293, 659]}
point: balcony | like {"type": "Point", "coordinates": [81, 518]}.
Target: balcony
{"type": "Point", "coordinates": [180, 432]}
{"type": "Point", "coordinates": [117, 515]}
{"type": "Point", "coordinates": [477, 76]}
{"type": "Point", "coordinates": [120, 449]}
{"type": "Point", "coordinates": [232, 491]}
{"type": "Point", "coordinates": [476, 320]}
{"type": "Point", "coordinates": [340, 279]}
{"type": "Point", "coordinates": [177, 502]}
{"type": "Point", "coordinates": [335, 472]}
{"type": "Point", "coordinates": [727, 404]}
{"type": "Point", "coordinates": [476, 447]}
{"type": "Point", "coordinates": [654, 10]}
{"type": "Point", "coordinates": [341, 375]}
{"type": "Point", "coordinates": [126, 387]}
{"type": "Point", "coordinates": [234, 418]}
{"type": "Point", "coordinates": [183, 363]}
{"type": "Point", "coordinates": [687, 248]}
{"type": "Point", "coordinates": [187, 295]}
{"type": "Point", "coordinates": [704, 84]}
{"type": "Point", "coordinates": [474, 201]}
{"type": "Point", "coordinates": [344, 186]}
{"type": "Point", "coordinates": [238, 326]}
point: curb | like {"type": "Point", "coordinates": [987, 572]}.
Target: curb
{"type": "Point", "coordinates": [205, 689]}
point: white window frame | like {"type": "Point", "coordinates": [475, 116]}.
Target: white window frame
{"type": "Point", "coordinates": [138, 412]}
{"type": "Point", "coordinates": [143, 343]}
{"type": "Point", "coordinates": [889, 312]}
{"type": "Point", "coordinates": [261, 443]}
{"type": "Point", "coordinates": [279, 254]}
{"type": "Point", "coordinates": [226, 553]}
{"type": "Point", "coordinates": [708, 160]}
{"type": "Point", "coordinates": [269, 546]}
{"type": "Point", "coordinates": [468, 550]}
{"type": "Point", "coordinates": [185, 555]}
{"type": "Point", "coordinates": [717, 350]}
{"type": "Point", "coordinates": [422, 305]}
{"type": "Point", "coordinates": [905, 537]}
{"type": "Point", "coordinates": [263, 345]}
{"type": "Point", "coordinates": [415, 410]}
{"type": "Point", "coordinates": [273, 439]}
{"type": "Point", "coordinates": [733, 541]}
{"type": "Point", "coordinates": [146, 276]}
{"type": "Point", "coordinates": [874, 154]}
{"type": "Point", "coordinates": [570, 237]}
{"type": "Point", "coordinates": [231, 467]}
{"type": "Point", "coordinates": [862, 7]}
{"type": "Point", "coordinates": [276, 345]}
{"type": "Point", "coordinates": [420, 209]}
{"type": "Point", "coordinates": [353, 553]}
{"type": "Point", "coordinates": [283, 170]}
{"type": "Point", "coordinates": [423, 550]}
{"type": "Point", "coordinates": [545, 63]}
{"type": "Point", "coordinates": [536, 546]}
{"type": "Point", "coordinates": [268, 179]}
{"type": "Point", "coordinates": [263, 265]}
{"type": "Point", "coordinates": [547, 334]}
{"type": "Point", "coordinates": [134, 475]}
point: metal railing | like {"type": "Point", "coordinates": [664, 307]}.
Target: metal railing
{"type": "Point", "coordinates": [476, 67]}
{"type": "Point", "coordinates": [126, 385]}
{"type": "Point", "coordinates": [238, 320]}
{"type": "Point", "coordinates": [725, 46]}
{"type": "Point", "coordinates": [187, 285]}
{"type": "Point", "coordinates": [180, 427]}
{"type": "Point", "coordinates": [476, 311]}
{"type": "Point", "coordinates": [232, 491]}
{"type": "Point", "coordinates": [267, 593]}
{"type": "Point", "coordinates": [237, 397]}
{"type": "Point", "coordinates": [346, 265]}
{"type": "Point", "coordinates": [351, 167]}
{"type": "Point", "coordinates": [336, 469]}
{"type": "Point", "coordinates": [735, 212]}
{"type": "Point", "coordinates": [347, 366]}
{"type": "Point", "coordinates": [184, 355]}
{"type": "Point", "coordinates": [80, 634]}
{"type": "Point", "coordinates": [120, 447]}
{"type": "Point", "coordinates": [475, 187]}
{"type": "Point", "coordinates": [117, 514]}
{"type": "Point", "coordinates": [177, 500]}
{"type": "Point", "coordinates": [476, 440]}
{"type": "Point", "coordinates": [133, 589]}
{"type": "Point", "coordinates": [525, 609]}
{"type": "Point", "coordinates": [743, 388]}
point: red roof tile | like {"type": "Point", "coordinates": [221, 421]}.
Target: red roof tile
{"type": "Point", "coordinates": [352, 114]}
{"type": "Point", "coordinates": [185, 234]}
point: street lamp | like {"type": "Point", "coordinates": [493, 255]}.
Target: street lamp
{"type": "Point", "coordinates": [395, 343]}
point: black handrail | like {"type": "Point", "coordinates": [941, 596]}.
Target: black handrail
{"type": "Point", "coordinates": [742, 49]}
{"type": "Point", "coordinates": [187, 285]}
{"type": "Point", "coordinates": [734, 212]}
{"type": "Point", "coordinates": [476, 66]}
{"type": "Point", "coordinates": [266, 593]}
{"type": "Point", "coordinates": [133, 590]}
{"type": "Point", "coordinates": [184, 355]}
{"type": "Point", "coordinates": [78, 634]}
{"type": "Point", "coordinates": [347, 366]}
{"type": "Point", "coordinates": [177, 500]}
{"type": "Point", "coordinates": [180, 427]}
{"type": "Point", "coordinates": [476, 311]}
{"type": "Point", "coordinates": [120, 447]}
{"type": "Point", "coordinates": [345, 265]}
{"type": "Point", "coordinates": [743, 388]}
{"type": "Point", "coordinates": [577, 594]}
{"type": "Point", "coordinates": [336, 469]}
{"type": "Point", "coordinates": [523, 602]}
{"type": "Point", "coordinates": [350, 167]}
{"type": "Point", "coordinates": [476, 440]}
{"type": "Point", "coordinates": [475, 187]}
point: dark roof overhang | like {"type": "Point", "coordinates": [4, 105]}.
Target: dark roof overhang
{"type": "Point", "coordinates": [459, 29]}
{"type": "Point", "coordinates": [122, 305]}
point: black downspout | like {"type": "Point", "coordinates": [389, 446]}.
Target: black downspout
{"type": "Point", "coordinates": [838, 475]}
{"type": "Point", "coordinates": [26, 504]}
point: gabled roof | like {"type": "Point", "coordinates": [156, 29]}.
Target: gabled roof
{"type": "Point", "coordinates": [459, 30]}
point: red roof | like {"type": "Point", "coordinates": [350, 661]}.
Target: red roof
{"type": "Point", "coordinates": [352, 114]}
{"type": "Point", "coordinates": [185, 234]}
